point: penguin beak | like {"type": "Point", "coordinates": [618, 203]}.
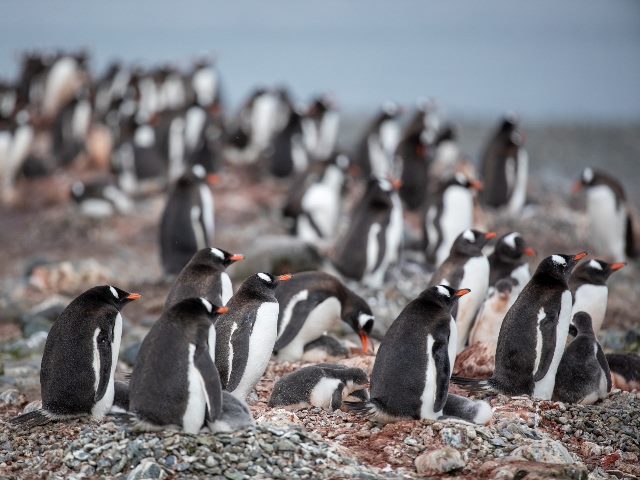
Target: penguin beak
{"type": "Point", "coordinates": [477, 185]}
{"type": "Point", "coordinates": [530, 252]}
{"type": "Point", "coordinates": [462, 293]}
{"type": "Point", "coordinates": [396, 184]}
{"type": "Point", "coordinates": [285, 278]}
{"type": "Point", "coordinates": [213, 179]}
{"type": "Point", "coordinates": [222, 310]}
{"type": "Point", "coordinates": [617, 266]}
{"type": "Point", "coordinates": [577, 187]}
{"type": "Point", "coordinates": [490, 235]}
{"type": "Point", "coordinates": [580, 256]}
{"type": "Point", "coordinates": [236, 257]}
{"type": "Point", "coordinates": [366, 343]}
{"type": "Point", "coordinates": [133, 296]}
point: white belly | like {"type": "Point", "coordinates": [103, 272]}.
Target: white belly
{"type": "Point", "coordinates": [489, 321]}
{"type": "Point", "coordinates": [206, 197]}
{"type": "Point", "coordinates": [227, 288]}
{"type": "Point", "coordinates": [428, 397]}
{"type": "Point", "coordinates": [323, 391]}
{"type": "Point", "coordinates": [321, 202]}
{"type": "Point", "coordinates": [476, 278]}
{"type": "Point", "coordinates": [519, 193]}
{"type": "Point", "coordinates": [457, 215]}
{"type": "Point", "coordinates": [593, 300]}
{"type": "Point", "coordinates": [522, 275]}
{"type": "Point", "coordinates": [103, 405]}
{"type": "Point", "coordinates": [193, 417]}
{"type": "Point", "coordinates": [606, 224]}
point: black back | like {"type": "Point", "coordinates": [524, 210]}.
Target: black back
{"type": "Point", "coordinates": [505, 259]}
{"type": "Point", "coordinates": [416, 158]}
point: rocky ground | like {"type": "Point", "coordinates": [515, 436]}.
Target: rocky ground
{"type": "Point", "coordinates": [49, 254]}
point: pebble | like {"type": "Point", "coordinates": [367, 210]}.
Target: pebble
{"type": "Point", "coordinates": [439, 461]}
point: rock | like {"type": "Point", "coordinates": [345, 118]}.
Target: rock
{"type": "Point", "coordinates": [545, 451]}
{"type": "Point", "coordinates": [475, 361]}
{"type": "Point", "coordinates": [453, 437]}
{"type": "Point", "coordinates": [11, 397]}
{"type": "Point", "coordinates": [504, 469]}
{"type": "Point", "coordinates": [32, 406]}
{"type": "Point", "coordinates": [145, 470]}
{"type": "Point", "coordinates": [443, 460]}
{"type": "Point", "coordinates": [279, 417]}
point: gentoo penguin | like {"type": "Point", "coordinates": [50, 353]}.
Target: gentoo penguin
{"type": "Point", "coordinates": [320, 128]}
{"type": "Point", "coordinates": [413, 154]}
{"type": "Point", "coordinates": [504, 168]}
{"type": "Point", "coordinates": [533, 333]}
{"type": "Point", "coordinates": [188, 219]}
{"type": "Point", "coordinates": [499, 299]}
{"type": "Point", "coordinates": [410, 378]}
{"type": "Point", "coordinates": [449, 212]}
{"type": "Point", "coordinates": [474, 411]}
{"type": "Point", "coordinates": [610, 223]}
{"type": "Point", "coordinates": [588, 284]}
{"type": "Point", "coordinates": [205, 276]}
{"type": "Point", "coordinates": [625, 370]}
{"type": "Point", "coordinates": [245, 337]}
{"type": "Point", "coordinates": [80, 357]}
{"type": "Point", "coordinates": [372, 242]}
{"type": "Point", "coordinates": [466, 266]}
{"type": "Point", "coordinates": [323, 386]}
{"type": "Point", "coordinates": [379, 142]}
{"type": "Point", "coordinates": [447, 153]}
{"type": "Point", "coordinates": [71, 127]}
{"type": "Point", "coordinates": [288, 154]}
{"type": "Point", "coordinates": [508, 260]}
{"type": "Point", "coordinates": [583, 374]}
{"type": "Point", "coordinates": [311, 304]}
{"type": "Point", "coordinates": [175, 382]}
{"type": "Point", "coordinates": [100, 198]}
{"type": "Point", "coordinates": [235, 415]}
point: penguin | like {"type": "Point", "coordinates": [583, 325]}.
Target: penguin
{"type": "Point", "coordinates": [246, 337]}
{"type": "Point", "coordinates": [588, 284]}
{"type": "Point", "coordinates": [413, 154]}
{"type": "Point", "coordinates": [320, 128]}
{"type": "Point", "coordinates": [187, 223]}
{"type": "Point", "coordinates": [372, 242]}
{"type": "Point", "coordinates": [234, 415]}
{"type": "Point", "coordinates": [289, 154]}
{"type": "Point", "coordinates": [311, 304]}
{"type": "Point", "coordinates": [504, 168]}
{"type": "Point", "coordinates": [410, 378]}
{"type": "Point", "coordinates": [322, 348]}
{"type": "Point", "coordinates": [508, 260]}
{"type": "Point", "coordinates": [473, 411]}
{"type": "Point", "coordinates": [449, 212]}
{"type": "Point", "coordinates": [80, 358]}
{"type": "Point", "coordinates": [205, 276]}
{"type": "Point", "coordinates": [71, 127]}
{"type": "Point", "coordinates": [379, 142]}
{"type": "Point", "coordinates": [610, 223]}
{"type": "Point", "coordinates": [174, 382]}
{"type": "Point", "coordinates": [447, 153]}
{"type": "Point", "coordinates": [625, 370]}
{"type": "Point", "coordinates": [16, 139]}
{"type": "Point", "coordinates": [583, 373]}
{"type": "Point", "coordinates": [533, 333]}
{"type": "Point", "coordinates": [486, 328]}
{"type": "Point", "coordinates": [206, 85]}
{"type": "Point", "coordinates": [100, 197]}
{"type": "Point", "coordinates": [466, 266]}
{"type": "Point", "coordinates": [323, 386]}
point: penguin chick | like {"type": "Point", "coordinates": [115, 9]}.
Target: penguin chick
{"type": "Point", "coordinates": [625, 370]}
{"type": "Point", "coordinates": [235, 415]}
{"type": "Point", "coordinates": [100, 198]}
{"type": "Point", "coordinates": [322, 348]}
{"type": "Point", "coordinates": [324, 386]}
{"type": "Point", "coordinates": [474, 411]}
{"type": "Point", "coordinates": [583, 374]}
{"type": "Point", "coordinates": [508, 259]}
{"type": "Point", "coordinates": [487, 326]}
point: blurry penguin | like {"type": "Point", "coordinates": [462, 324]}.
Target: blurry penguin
{"type": "Point", "coordinates": [66, 75]}
{"type": "Point", "coordinates": [583, 374]}
{"type": "Point", "coordinates": [16, 137]}
{"type": "Point", "coordinates": [71, 127]}
{"type": "Point", "coordinates": [187, 223]}
{"type": "Point", "coordinates": [175, 382]}
{"type": "Point", "coordinates": [466, 266]}
{"type": "Point", "coordinates": [100, 198]}
{"type": "Point", "coordinates": [413, 155]}
{"type": "Point", "coordinates": [320, 128]}
{"type": "Point", "coordinates": [487, 326]}
{"type": "Point", "coordinates": [205, 276]}
{"type": "Point", "coordinates": [533, 333]}
{"type": "Point", "coordinates": [235, 415]}
{"type": "Point", "coordinates": [289, 154]}
{"type": "Point", "coordinates": [625, 370]}
{"type": "Point", "coordinates": [203, 133]}
{"type": "Point", "coordinates": [588, 284]}
{"type": "Point", "coordinates": [80, 358]}
{"type": "Point", "coordinates": [206, 85]}
{"type": "Point", "coordinates": [410, 378]}
{"type": "Point", "coordinates": [610, 224]}
{"type": "Point", "coordinates": [379, 142]}
{"type": "Point", "coordinates": [246, 337]}
{"type": "Point", "coordinates": [447, 152]}
{"type": "Point", "coordinates": [323, 386]}
{"type": "Point", "coordinates": [449, 212]}
{"type": "Point", "coordinates": [313, 303]}
{"type": "Point", "coordinates": [372, 242]}
{"type": "Point", "coordinates": [508, 260]}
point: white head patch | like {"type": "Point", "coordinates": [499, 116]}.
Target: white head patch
{"type": "Point", "coordinates": [264, 277]}
{"type": "Point", "coordinates": [587, 175]}
{"type": "Point", "coordinates": [468, 235]}
{"type": "Point", "coordinates": [460, 178]}
{"type": "Point", "coordinates": [199, 171]}
{"type": "Point", "coordinates": [510, 240]}
{"type": "Point", "coordinates": [557, 259]}
{"type": "Point", "coordinates": [217, 253]}
{"type": "Point", "coordinates": [595, 264]}
{"type": "Point", "coordinates": [443, 291]}
{"type": "Point", "coordinates": [385, 185]}
{"type": "Point", "coordinates": [114, 292]}
{"type": "Point", "coordinates": [207, 304]}
{"type": "Point", "coordinates": [342, 161]}
{"type": "Point", "coordinates": [363, 318]}
{"type": "Point", "coordinates": [390, 108]}
{"type": "Point", "coordinates": [77, 188]}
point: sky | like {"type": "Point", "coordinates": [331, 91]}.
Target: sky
{"type": "Point", "coordinates": [546, 59]}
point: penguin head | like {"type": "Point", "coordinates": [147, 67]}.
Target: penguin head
{"type": "Point", "coordinates": [260, 282]}
{"type": "Point", "coordinates": [196, 175]}
{"type": "Point", "coordinates": [511, 247]}
{"type": "Point", "coordinates": [461, 180]}
{"type": "Point", "coordinates": [197, 306]}
{"type": "Point", "coordinates": [113, 295]}
{"type": "Point", "coordinates": [504, 286]}
{"type": "Point", "coordinates": [471, 242]}
{"type": "Point", "coordinates": [390, 110]}
{"type": "Point", "coordinates": [216, 257]}
{"type": "Point", "coordinates": [357, 314]}
{"type": "Point", "coordinates": [444, 295]}
{"type": "Point", "coordinates": [595, 272]}
{"type": "Point", "coordinates": [582, 323]}
{"type": "Point", "coordinates": [379, 193]}
{"type": "Point", "coordinates": [559, 266]}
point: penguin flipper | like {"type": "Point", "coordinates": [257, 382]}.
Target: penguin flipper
{"type": "Point", "coordinates": [547, 328]}
{"type": "Point", "coordinates": [211, 378]}
{"type": "Point", "coordinates": [336, 398]}
{"type": "Point", "coordinates": [443, 371]}
{"type": "Point", "coordinates": [29, 420]}
{"type": "Point", "coordinates": [104, 345]}
{"type": "Point", "coordinates": [602, 360]}
{"type": "Point", "coordinates": [630, 244]}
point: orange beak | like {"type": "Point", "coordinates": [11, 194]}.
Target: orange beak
{"type": "Point", "coordinates": [366, 343]}
{"type": "Point", "coordinates": [477, 185]}
{"type": "Point", "coordinates": [134, 296]}
{"type": "Point", "coordinates": [222, 310]}
{"type": "Point", "coordinates": [490, 235]}
{"type": "Point", "coordinates": [617, 266]}
{"type": "Point", "coordinates": [580, 256]}
{"type": "Point", "coordinates": [397, 184]}
{"type": "Point", "coordinates": [213, 179]}
{"type": "Point", "coordinates": [577, 187]}
{"type": "Point", "coordinates": [236, 257]}
{"type": "Point", "coordinates": [285, 278]}
{"type": "Point", "coordinates": [462, 293]}
{"type": "Point", "coordinates": [530, 252]}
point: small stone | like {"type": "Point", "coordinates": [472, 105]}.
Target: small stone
{"type": "Point", "coordinates": [545, 451]}
{"type": "Point", "coordinates": [11, 397]}
{"type": "Point", "coordinates": [452, 437]}
{"type": "Point", "coordinates": [443, 460]}
{"type": "Point", "coordinates": [211, 461]}
{"type": "Point", "coordinates": [147, 469]}
{"type": "Point", "coordinates": [285, 445]}
{"type": "Point", "coordinates": [81, 455]}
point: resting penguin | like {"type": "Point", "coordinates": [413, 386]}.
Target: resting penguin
{"type": "Point", "coordinates": [235, 415]}
{"type": "Point", "coordinates": [487, 326]}
{"type": "Point", "coordinates": [449, 212]}
{"type": "Point", "coordinates": [610, 223]}
{"type": "Point", "coordinates": [372, 242]}
{"type": "Point", "coordinates": [100, 198]}
{"type": "Point", "coordinates": [533, 333]}
{"type": "Point", "coordinates": [204, 276]}
{"type": "Point", "coordinates": [175, 382]}
{"type": "Point", "coordinates": [583, 374]}
{"type": "Point", "coordinates": [410, 377]}
{"type": "Point", "coordinates": [588, 284]}
{"type": "Point", "coordinates": [625, 370]}
{"type": "Point", "coordinates": [466, 266]}
{"type": "Point", "coordinates": [508, 260]}
{"type": "Point", "coordinates": [323, 386]}
{"type": "Point", "coordinates": [312, 303]}
{"type": "Point", "coordinates": [246, 337]}
{"type": "Point", "coordinates": [188, 219]}
{"type": "Point", "coordinates": [80, 357]}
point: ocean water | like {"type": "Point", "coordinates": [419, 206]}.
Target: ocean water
{"type": "Point", "coordinates": [547, 59]}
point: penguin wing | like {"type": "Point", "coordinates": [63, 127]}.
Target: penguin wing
{"type": "Point", "coordinates": [630, 244]}
{"type": "Point", "coordinates": [602, 360]}
{"type": "Point", "coordinates": [298, 317]}
{"type": "Point", "coordinates": [105, 337]}
{"type": "Point", "coordinates": [211, 378]}
{"type": "Point", "coordinates": [240, 354]}
{"type": "Point", "coordinates": [440, 351]}
{"type": "Point", "coordinates": [547, 333]}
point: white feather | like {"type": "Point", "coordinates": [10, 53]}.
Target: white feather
{"type": "Point", "coordinates": [593, 300]}
{"type": "Point", "coordinates": [322, 392]}
{"type": "Point", "coordinates": [227, 287]}
{"type": "Point", "coordinates": [300, 296]}
{"type": "Point", "coordinates": [104, 404]}
{"type": "Point", "coordinates": [428, 398]}
{"type": "Point", "coordinates": [476, 278]}
{"type": "Point", "coordinates": [194, 414]}
{"type": "Point", "coordinates": [457, 216]}
{"type": "Point", "coordinates": [607, 223]}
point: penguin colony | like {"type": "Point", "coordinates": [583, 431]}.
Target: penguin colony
{"type": "Point", "coordinates": [167, 130]}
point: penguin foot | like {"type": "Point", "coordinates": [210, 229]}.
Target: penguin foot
{"type": "Point", "coordinates": [37, 418]}
{"type": "Point", "coordinates": [472, 384]}
{"type": "Point", "coordinates": [373, 412]}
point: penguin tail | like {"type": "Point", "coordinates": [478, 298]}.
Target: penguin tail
{"type": "Point", "coordinates": [472, 384]}
{"type": "Point", "coordinates": [31, 419]}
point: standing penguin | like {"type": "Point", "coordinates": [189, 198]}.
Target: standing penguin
{"type": "Point", "coordinates": [610, 223]}
{"type": "Point", "coordinates": [379, 142]}
{"type": "Point", "coordinates": [588, 284]}
{"type": "Point", "coordinates": [410, 378]}
{"type": "Point", "coordinates": [204, 276]}
{"type": "Point", "coordinates": [449, 212]}
{"type": "Point", "coordinates": [311, 304]}
{"type": "Point", "coordinates": [372, 242]}
{"type": "Point", "coordinates": [508, 260]}
{"type": "Point", "coordinates": [320, 128]}
{"type": "Point", "coordinates": [80, 357]}
{"type": "Point", "coordinates": [175, 381]}
{"type": "Point", "coordinates": [413, 154]}
{"type": "Point", "coordinates": [188, 219]}
{"type": "Point", "coordinates": [246, 337]}
{"type": "Point", "coordinates": [487, 326]}
{"type": "Point", "coordinates": [466, 266]}
{"type": "Point", "coordinates": [583, 374]}
{"type": "Point", "coordinates": [533, 333]}
{"type": "Point", "coordinates": [289, 154]}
